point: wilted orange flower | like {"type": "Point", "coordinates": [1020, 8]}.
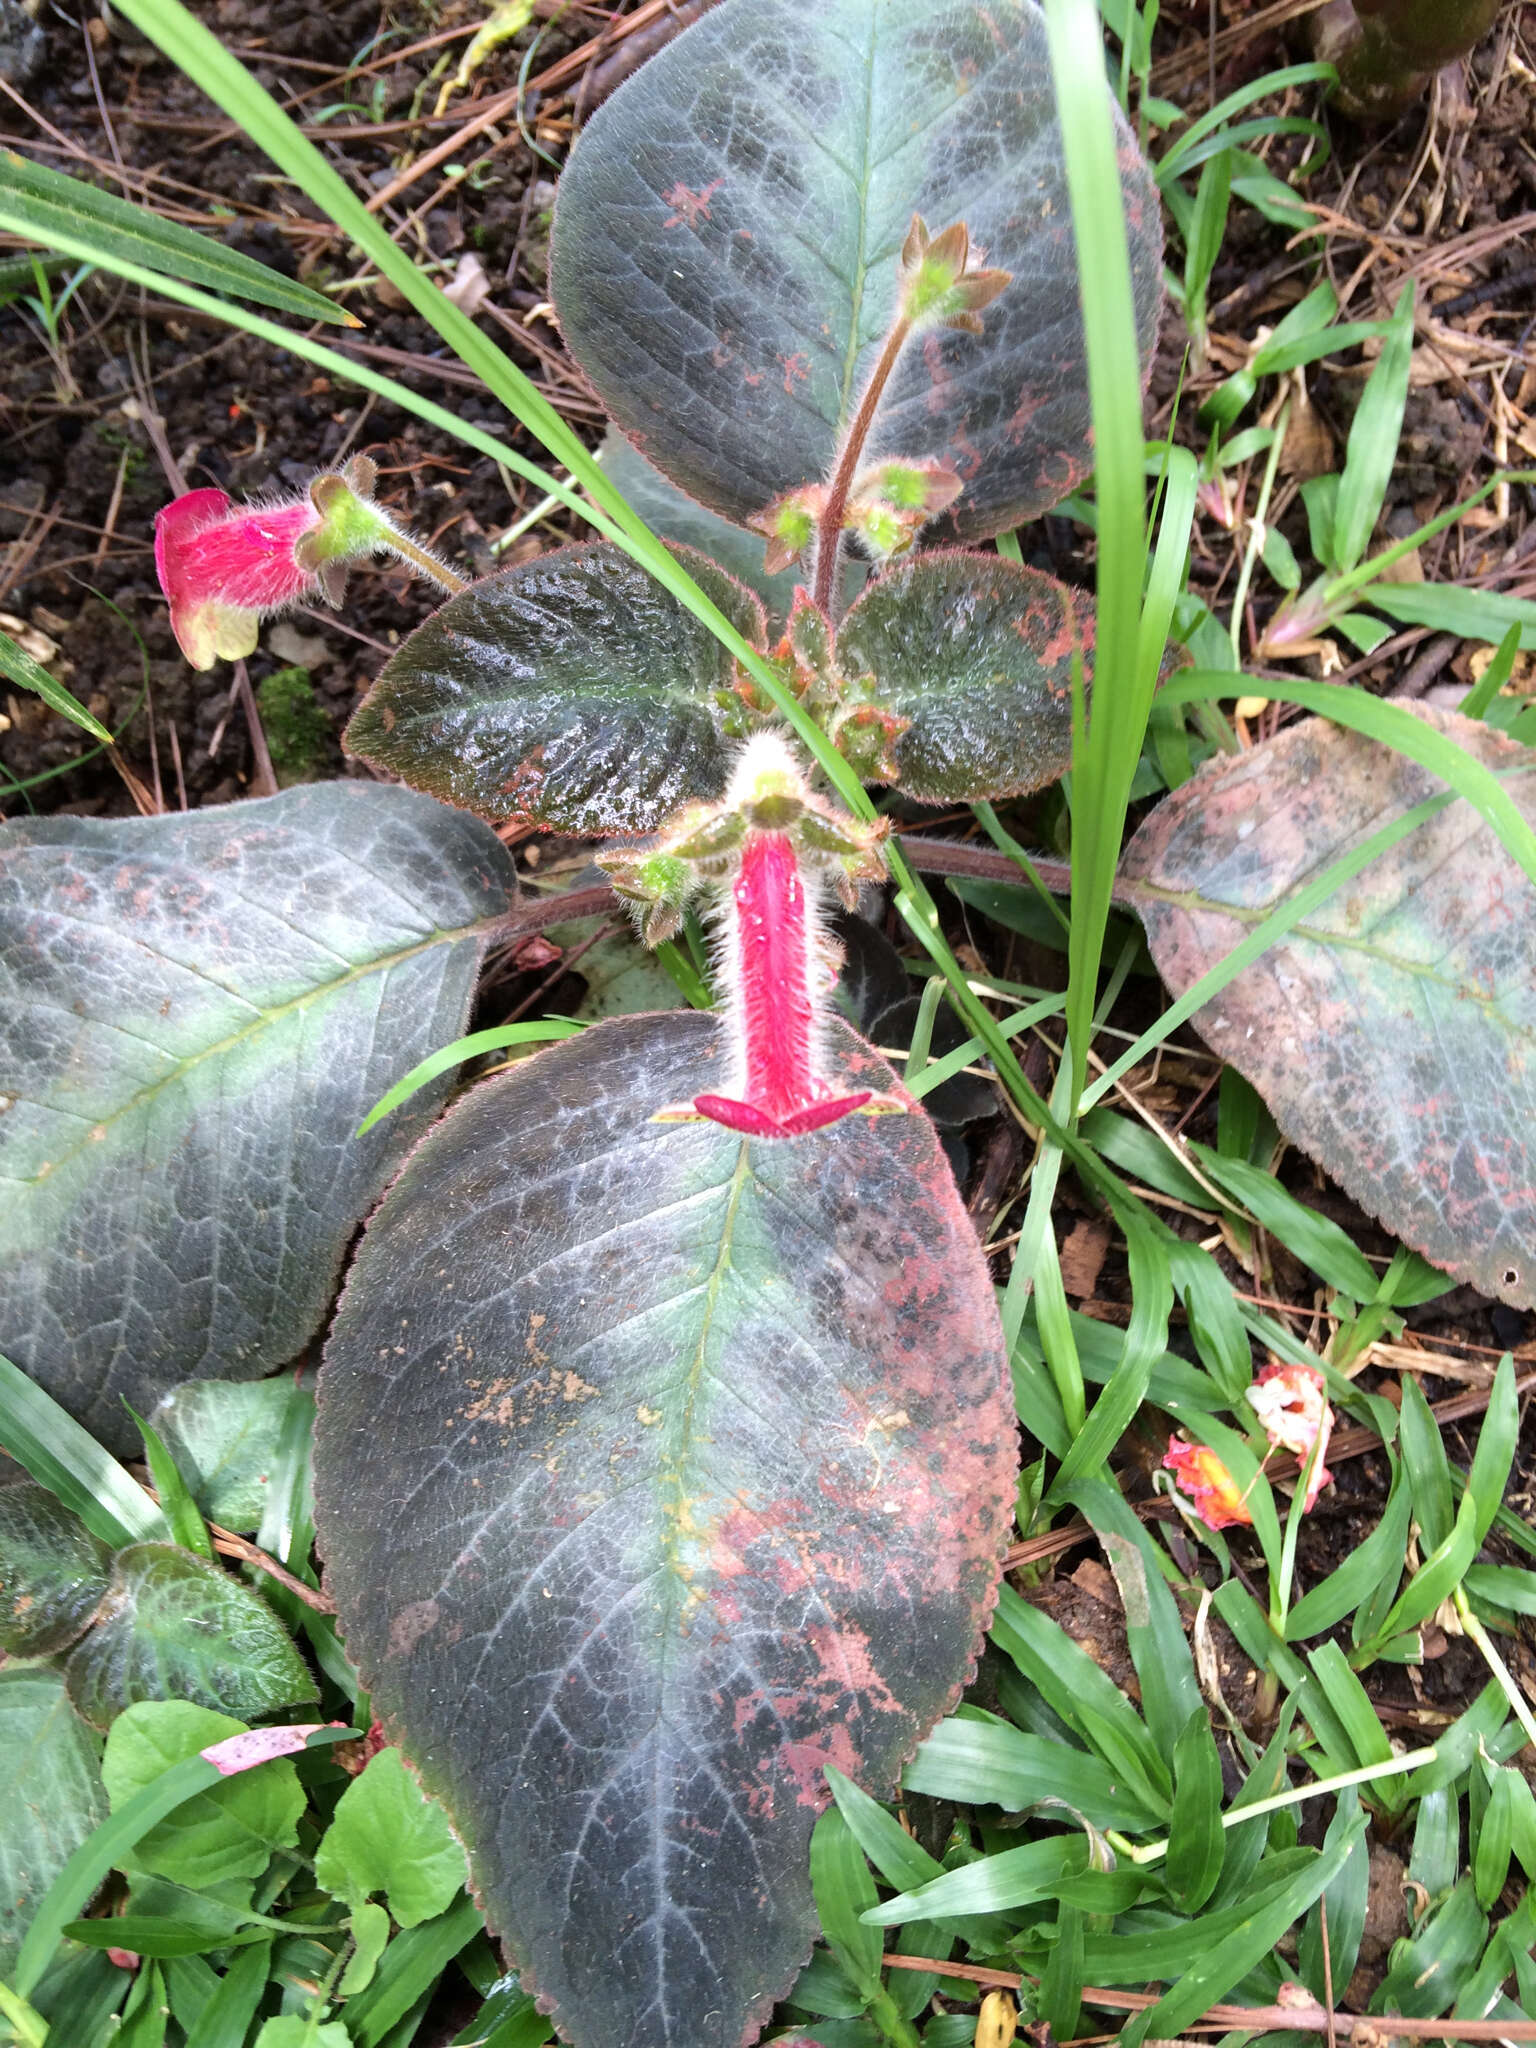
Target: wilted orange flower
{"type": "Point", "coordinates": [1290, 1402]}
{"type": "Point", "coordinates": [1207, 1482]}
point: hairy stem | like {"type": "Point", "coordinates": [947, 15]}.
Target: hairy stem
{"type": "Point", "coordinates": [829, 529]}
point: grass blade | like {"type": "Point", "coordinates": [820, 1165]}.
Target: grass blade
{"type": "Point", "coordinates": [19, 667]}
{"type": "Point", "coordinates": [47, 203]}
{"type": "Point", "coordinates": [72, 1465]}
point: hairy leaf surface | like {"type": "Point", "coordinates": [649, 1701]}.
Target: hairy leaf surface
{"type": "Point", "coordinates": [174, 1626]}
{"type": "Point", "coordinates": [196, 1011]}
{"type": "Point", "coordinates": [976, 653]}
{"type": "Point", "coordinates": [727, 233]}
{"type": "Point", "coordinates": [1393, 1034]}
{"type": "Point", "coordinates": [53, 1571]}
{"type": "Point", "coordinates": [699, 1462]}
{"type": "Point", "coordinates": [573, 692]}
{"type": "Point", "coordinates": [50, 1795]}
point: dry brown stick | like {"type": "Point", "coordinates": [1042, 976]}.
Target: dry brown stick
{"type": "Point", "coordinates": [228, 1544]}
{"type": "Point", "coordinates": [1307, 2019]}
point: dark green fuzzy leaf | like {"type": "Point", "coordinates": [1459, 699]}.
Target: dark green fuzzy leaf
{"type": "Point", "coordinates": [665, 1517]}
{"type": "Point", "coordinates": [195, 1013]}
{"type": "Point", "coordinates": [53, 1572]}
{"type": "Point", "coordinates": [977, 653]}
{"type": "Point", "coordinates": [50, 1795]}
{"type": "Point", "coordinates": [177, 1627]}
{"type": "Point", "coordinates": [573, 692]}
{"type": "Point", "coordinates": [1390, 1034]}
{"type": "Point", "coordinates": [726, 243]}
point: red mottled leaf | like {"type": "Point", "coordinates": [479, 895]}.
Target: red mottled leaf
{"type": "Point", "coordinates": [1393, 1035]}
{"type": "Point", "coordinates": [698, 1461]}
{"type": "Point", "coordinates": [967, 659]}
{"type": "Point", "coordinates": [727, 242]}
{"type": "Point", "coordinates": [573, 692]}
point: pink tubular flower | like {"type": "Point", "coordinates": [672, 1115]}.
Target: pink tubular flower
{"type": "Point", "coordinates": [224, 568]}
{"type": "Point", "coordinates": [1291, 1404]}
{"type": "Point", "coordinates": [773, 845]}
{"type": "Point", "coordinates": [1205, 1480]}
{"type": "Point", "coordinates": [773, 970]}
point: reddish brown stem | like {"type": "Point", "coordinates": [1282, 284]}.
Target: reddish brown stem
{"type": "Point", "coordinates": [829, 530]}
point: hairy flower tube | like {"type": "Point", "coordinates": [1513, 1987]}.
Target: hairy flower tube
{"type": "Point", "coordinates": [1205, 1481]}
{"type": "Point", "coordinates": [224, 567]}
{"type": "Point", "coordinates": [770, 847]}
{"type": "Point", "coordinates": [1290, 1402]}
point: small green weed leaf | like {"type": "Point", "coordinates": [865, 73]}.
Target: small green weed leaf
{"type": "Point", "coordinates": [370, 1935]}
{"type": "Point", "coordinates": [573, 691]}
{"type": "Point", "coordinates": [36, 203]}
{"type": "Point", "coordinates": [388, 1836]}
{"type": "Point", "coordinates": [50, 1795]}
{"type": "Point", "coordinates": [224, 1833]}
{"type": "Point", "coordinates": [706, 1408]}
{"type": "Point", "coordinates": [196, 1011]}
{"type": "Point", "coordinates": [53, 1572]}
{"type": "Point", "coordinates": [1427, 1971]}
{"type": "Point", "coordinates": [970, 657]}
{"type": "Point", "coordinates": [1316, 1240]}
{"type": "Point", "coordinates": [175, 1626]}
{"type": "Point", "coordinates": [1385, 1033]}
{"type": "Point", "coordinates": [293, 2030]}
{"type": "Point", "coordinates": [992, 1884]}
{"type": "Point", "coordinates": [224, 1439]}
{"type": "Point", "coordinates": [727, 237]}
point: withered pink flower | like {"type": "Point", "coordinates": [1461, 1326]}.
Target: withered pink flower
{"type": "Point", "coordinates": [1206, 1482]}
{"type": "Point", "coordinates": [225, 567]}
{"type": "Point", "coordinates": [1290, 1402]}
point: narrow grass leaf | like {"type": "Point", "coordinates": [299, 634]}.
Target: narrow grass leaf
{"type": "Point", "coordinates": [478, 1042]}
{"type": "Point", "coordinates": [176, 1503]}
{"type": "Point", "coordinates": [1342, 1592]}
{"type": "Point", "coordinates": [66, 1459]}
{"type": "Point", "coordinates": [1061, 1987]}
{"type": "Point", "coordinates": [1373, 438]}
{"type": "Point", "coordinates": [1424, 1462]}
{"type": "Point", "coordinates": [994, 1884]}
{"type": "Point", "coordinates": [19, 667]}
{"type": "Point", "coordinates": [225, 2020]}
{"type": "Point", "coordinates": [899, 1859]}
{"type": "Point", "coordinates": [412, 1964]}
{"type": "Point", "coordinates": [1196, 1843]}
{"type": "Point", "coordinates": [1159, 1646]}
{"type": "Point", "coordinates": [1316, 1240]}
{"type": "Point", "coordinates": [1229, 1958]}
{"type": "Point", "coordinates": [1069, 1680]}
{"type": "Point", "coordinates": [1146, 1339]}
{"type": "Point", "coordinates": [984, 1762]}
{"type": "Point", "coordinates": [1429, 1969]}
{"type": "Point", "coordinates": [1344, 1901]}
{"type": "Point", "coordinates": [41, 204]}
{"type": "Point", "coordinates": [1493, 678]}
{"type": "Point", "coordinates": [845, 1899]}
